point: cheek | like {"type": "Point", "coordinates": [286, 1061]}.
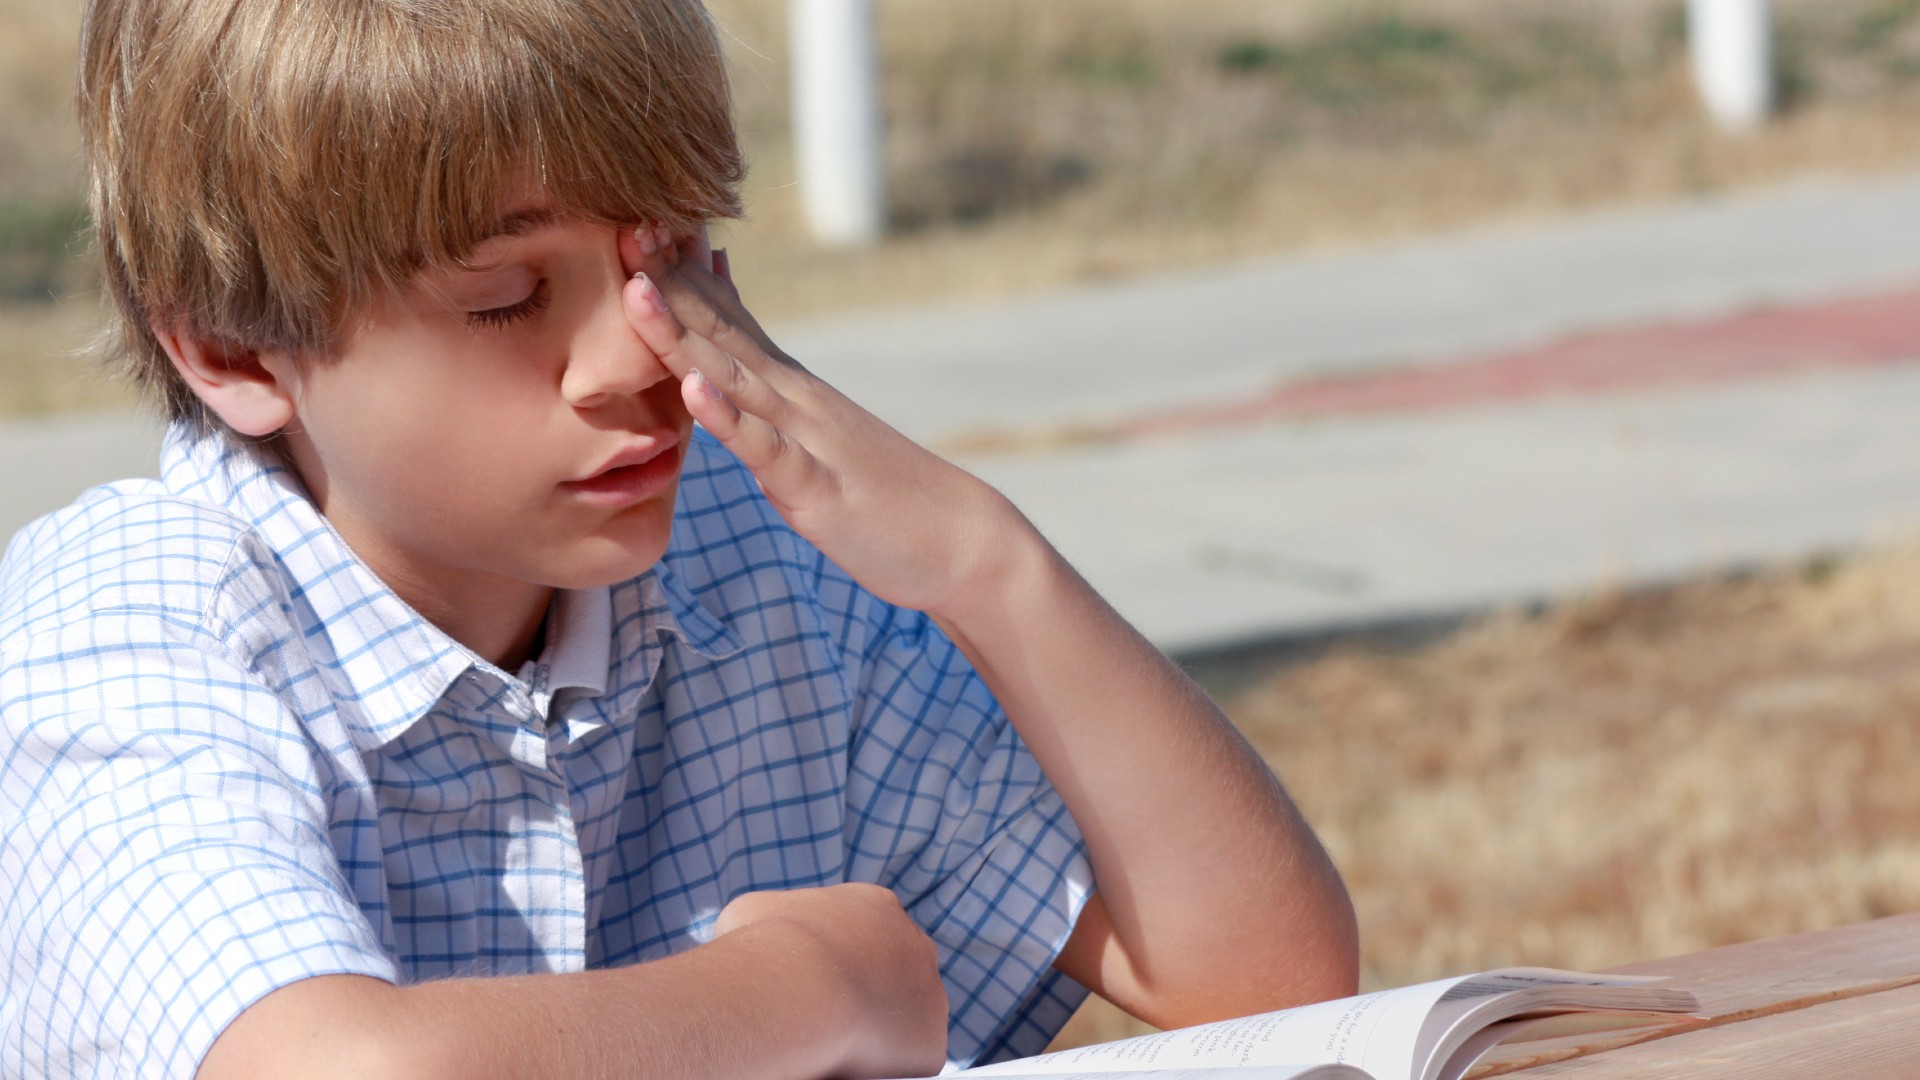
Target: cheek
{"type": "Point", "coordinates": [447, 389]}
{"type": "Point", "coordinates": [418, 434]}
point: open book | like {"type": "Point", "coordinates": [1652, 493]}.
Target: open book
{"type": "Point", "coordinates": [1432, 1031]}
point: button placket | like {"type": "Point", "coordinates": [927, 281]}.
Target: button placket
{"type": "Point", "coordinates": [574, 882]}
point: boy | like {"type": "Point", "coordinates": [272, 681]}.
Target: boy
{"type": "Point", "coordinates": [452, 707]}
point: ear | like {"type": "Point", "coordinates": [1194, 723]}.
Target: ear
{"type": "Point", "coordinates": [252, 391]}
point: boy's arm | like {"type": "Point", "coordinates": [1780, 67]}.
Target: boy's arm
{"type": "Point", "coordinates": [1214, 896]}
{"type": "Point", "coordinates": [801, 985]}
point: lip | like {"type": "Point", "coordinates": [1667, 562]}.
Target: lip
{"type": "Point", "coordinates": [637, 472]}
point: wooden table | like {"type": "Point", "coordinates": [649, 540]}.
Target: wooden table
{"type": "Point", "coordinates": [1832, 1004]}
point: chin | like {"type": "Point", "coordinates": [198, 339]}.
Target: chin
{"type": "Point", "coordinates": [608, 563]}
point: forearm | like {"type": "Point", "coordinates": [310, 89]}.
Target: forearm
{"type": "Point", "coordinates": [1220, 899]}
{"type": "Point", "coordinates": [722, 1011]}
{"type": "Point", "coordinates": [725, 1011]}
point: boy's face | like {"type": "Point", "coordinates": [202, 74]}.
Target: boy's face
{"type": "Point", "coordinates": [498, 428]}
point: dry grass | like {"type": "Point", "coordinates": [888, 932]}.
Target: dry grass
{"type": "Point", "coordinates": [1627, 777]}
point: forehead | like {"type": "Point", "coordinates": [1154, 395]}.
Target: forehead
{"type": "Point", "coordinates": [521, 222]}
{"type": "Point", "coordinates": [527, 217]}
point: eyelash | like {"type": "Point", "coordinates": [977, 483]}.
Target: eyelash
{"type": "Point", "coordinates": [496, 318]}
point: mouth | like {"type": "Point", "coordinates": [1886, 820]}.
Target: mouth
{"type": "Point", "coordinates": [640, 472]}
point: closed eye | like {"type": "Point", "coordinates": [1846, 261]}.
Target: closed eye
{"type": "Point", "coordinates": [496, 318]}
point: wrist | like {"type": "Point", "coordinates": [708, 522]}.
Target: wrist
{"type": "Point", "coordinates": [1006, 559]}
{"type": "Point", "coordinates": [812, 1011]}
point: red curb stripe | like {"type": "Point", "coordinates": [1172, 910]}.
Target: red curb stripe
{"type": "Point", "coordinates": [1854, 332]}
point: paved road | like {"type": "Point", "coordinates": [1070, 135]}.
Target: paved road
{"type": "Point", "coordinates": [1231, 525]}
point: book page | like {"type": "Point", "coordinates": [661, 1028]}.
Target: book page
{"type": "Point", "coordinates": [1375, 1032]}
{"type": "Point", "coordinates": [1449, 1052]}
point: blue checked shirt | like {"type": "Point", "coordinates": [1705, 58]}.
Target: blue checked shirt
{"type": "Point", "coordinates": [231, 758]}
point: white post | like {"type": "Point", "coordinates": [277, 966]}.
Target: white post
{"type": "Point", "coordinates": [1732, 45]}
{"type": "Point", "coordinates": [836, 120]}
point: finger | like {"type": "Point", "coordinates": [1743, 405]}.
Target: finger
{"type": "Point", "coordinates": [723, 269]}
{"type": "Point", "coordinates": [788, 473]}
{"type": "Point", "coordinates": [646, 243]}
{"type": "Point", "coordinates": [729, 298]}
{"type": "Point", "coordinates": [696, 249]}
{"type": "Point", "coordinates": [709, 306]}
{"type": "Point", "coordinates": [695, 255]}
{"type": "Point", "coordinates": [684, 350]}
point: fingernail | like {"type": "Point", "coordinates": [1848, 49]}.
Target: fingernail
{"type": "Point", "coordinates": [705, 388]}
{"type": "Point", "coordinates": [652, 290]}
{"type": "Point", "coordinates": [649, 240]}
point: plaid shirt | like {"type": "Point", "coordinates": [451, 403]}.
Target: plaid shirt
{"type": "Point", "coordinates": [232, 758]}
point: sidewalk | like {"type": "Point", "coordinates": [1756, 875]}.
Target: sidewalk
{"type": "Point", "coordinates": [1423, 429]}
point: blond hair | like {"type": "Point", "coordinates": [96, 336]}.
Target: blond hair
{"type": "Point", "coordinates": [262, 168]}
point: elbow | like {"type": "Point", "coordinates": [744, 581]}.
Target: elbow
{"type": "Point", "coordinates": [1318, 961]}
{"type": "Point", "coordinates": [1321, 965]}
{"type": "Point", "coordinates": [1333, 973]}
{"type": "Point", "coordinates": [1335, 965]}
{"type": "Point", "coordinates": [1325, 947]}
{"type": "Point", "coordinates": [1251, 962]}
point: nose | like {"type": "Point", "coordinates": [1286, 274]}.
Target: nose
{"type": "Point", "coordinates": [606, 359]}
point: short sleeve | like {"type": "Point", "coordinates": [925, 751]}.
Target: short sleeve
{"type": "Point", "coordinates": [948, 807]}
{"type": "Point", "coordinates": [164, 835]}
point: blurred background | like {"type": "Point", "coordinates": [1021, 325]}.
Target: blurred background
{"type": "Point", "coordinates": [1523, 459]}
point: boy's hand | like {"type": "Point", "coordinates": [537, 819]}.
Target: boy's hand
{"type": "Point", "coordinates": [871, 957]}
{"type": "Point", "coordinates": [912, 528]}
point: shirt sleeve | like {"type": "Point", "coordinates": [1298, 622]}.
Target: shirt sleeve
{"type": "Point", "coordinates": [164, 833]}
{"type": "Point", "coordinates": [948, 807]}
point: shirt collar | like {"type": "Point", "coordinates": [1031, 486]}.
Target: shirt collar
{"type": "Point", "coordinates": [673, 610]}
{"type": "Point", "coordinates": [579, 643]}
{"type": "Point", "coordinates": [646, 611]}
